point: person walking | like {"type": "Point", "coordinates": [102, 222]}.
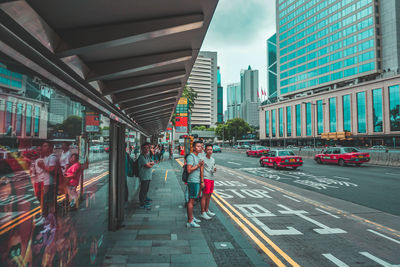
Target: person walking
{"type": "Point", "coordinates": [145, 174]}
{"type": "Point", "coordinates": [209, 170]}
{"type": "Point", "coordinates": [73, 174]}
{"type": "Point", "coordinates": [195, 181]}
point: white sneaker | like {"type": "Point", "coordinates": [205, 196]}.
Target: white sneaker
{"type": "Point", "coordinates": [210, 213]}
{"type": "Point", "coordinates": [196, 220]}
{"type": "Point", "coordinates": [192, 224]}
{"type": "Point", "coordinates": [205, 216]}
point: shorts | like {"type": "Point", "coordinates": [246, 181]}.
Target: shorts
{"type": "Point", "coordinates": [208, 186]}
{"type": "Point", "coordinates": [194, 190]}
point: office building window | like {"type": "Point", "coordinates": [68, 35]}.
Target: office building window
{"type": "Point", "coordinates": [361, 113]}
{"type": "Point", "coordinates": [377, 110]}
{"type": "Point", "coordinates": [347, 113]}
{"type": "Point", "coordinates": [394, 106]}
{"type": "Point", "coordinates": [289, 121]}
{"type": "Point", "coordinates": [281, 122]}
{"type": "Point", "coordinates": [267, 123]}
{"type": "Point", "coordinates": [37, 118]}
{"type": "Point", "coordinates": [273, 122]}
{"type": "Point", "coordinates": [332, 114]}
{"type": "Point", "coordinates": [320, 117]}
{"type": "Point", "coordinates": [28, 120]}
{"type": "Point", "coordinates": [298, 120]}
{"type": "Point", "coordinates": [18, 122]}
{"type": "Point", "coordinates": [308, 119]}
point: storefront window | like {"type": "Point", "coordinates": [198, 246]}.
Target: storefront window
{"type": "Point", "coordinates": [377, 110]}
{"type": "Point", "coordinates": [289, 121]}
{"type": "Point", "coordinates": [332, 114]}
{"type": "Point", "coordinates": [308, 119]}
{"type": "Point", "coordinates": [267, 123]}
{"type": "Point", "coordinates": [361, 113]}
{"type": "Point", "coordinates": [394, 106]}
{"type": "Point", "coordinates": [298, 120]}
{"type": "Point", "coordinates": [273, 122]}
{"type": "Point", "coordinates": [280, 122]}
{"type": "Point", "coordinates": [54, 177]}
{"type": "Point", "coordinates": [320, 117]}
{"type": "Point", "coordinates": [347, 113]}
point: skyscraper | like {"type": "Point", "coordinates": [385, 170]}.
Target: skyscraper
{"type": "Point", "coordinates": [234, 97]}
{"type": "Point", "coordinates": [203, 80]}
{"type": "Point", "coordinates": [272, 69]}
{"type": "Point", "coordinates": [338, 73]}
{"type": "Point", "coordinates": [250, 99]}
{"type": "Point", "coordinates": [220, 99]}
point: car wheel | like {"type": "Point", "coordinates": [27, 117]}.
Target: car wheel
{"type": "Point", "coordinates": [261, 164]}
{"type": "Point", "coordinates": [319, 161]}
{"type": "Point", "coordinates": [247, 154]}
{"type": "Point", "coordinates": [276, 166]}
{"type": "Point", "coordinates": [358, 164]}
{"type": "Point", "coordinates": [294, 168]}
{"type": "Point", "coordinates": [341, 163]}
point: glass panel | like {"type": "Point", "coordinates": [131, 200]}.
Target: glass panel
{"type": "Point", "coordinates": [361, 113]}
{"type": "Point", "coordinates": [394, 106]}
{"type": "Point", "coordinates": [377, 110]}
{"type": "Point", "coordinates": [298, 120]}
{"type": "Point", "coordinates": [280, 122]}
{"type": "Point", "coordinates": [320, 117]}
{"type": "Point", "coordinates": [289, 121]}
{"type": "Point", "coordinates": [54, 172]}
{"type": "Point", "coordinates": [308, 120]}
{"type": "Point", "coordinates": [267, 123]}
{"type": "Point", "coordinates": [347, 113]}
{"type": "Point", "coordinates": [273, 122]}
{"type": "Point", "coordinates": [332, 114]}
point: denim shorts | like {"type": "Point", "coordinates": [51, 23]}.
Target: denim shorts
{"type": "Point", "coordinates": [194, 189]}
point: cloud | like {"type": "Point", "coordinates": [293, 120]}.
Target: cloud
{"type": "Point", "coordinates": [238, 32]}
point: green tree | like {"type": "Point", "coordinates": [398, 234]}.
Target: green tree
{"type": "Point", "coordinates": [72, 126]}
{"type": "Point", "coordinates": [233, 129]}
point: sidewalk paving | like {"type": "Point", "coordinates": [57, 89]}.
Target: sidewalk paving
{"type": "Point", "coordinates": [158, 237]}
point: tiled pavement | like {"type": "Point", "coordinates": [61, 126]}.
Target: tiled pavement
{"type": "Point", "coordinates": [159, 237]}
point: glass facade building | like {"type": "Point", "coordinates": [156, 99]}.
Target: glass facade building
{"type": "Point", "coordinates": [361, 113]}
{"type": "Point", "coordinates": [320, 117]}
{"type": "Point", "coordinates": [289, 121]}
{"type": "Point", "coordinates": [272, 68]}
{"type": "Point", "coordinates": [346, 113]}
{"type": "Point", "coordinates": [298, 120]}
{"type": "Point", "coordinates": [281, 122]}
{"type": "Point", "coordinates": [332, 114]}
{"type": "Point", "coordinates": [267, 123]}
{"type": "Point", "coordinates": [273, 122]}
{"type": "Point", "coordinates": [308, 119]}
{"type": "Point", "coordinates": [394, 107]}
{"type": "Point", "coordinates": [324, 42]}
{"type": "Point", "coordinates": [377, 108]}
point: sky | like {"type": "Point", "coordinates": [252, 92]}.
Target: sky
{"type": "Point", "coordinates": [238, 32]}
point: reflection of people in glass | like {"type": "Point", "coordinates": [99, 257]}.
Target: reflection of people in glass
{"type": "Point", "coordinates": [38, 176]}
{"type": "Point", "coordinates": [48, 164]}
{"type": "Point", "coordinates": [72, 175]}
{"type": "Point", "coordinates": [65, 155]}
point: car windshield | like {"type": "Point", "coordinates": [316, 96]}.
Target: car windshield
{"type": "Point", "coordinates": [286, 153]}
{"type": "Point", "coordinates": [261, 147]}
{"type": "Point", "coordinates": [350, 150]}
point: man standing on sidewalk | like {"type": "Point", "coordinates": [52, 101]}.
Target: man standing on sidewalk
{"type": "Point", "coordinates": [209, 170]}
{"type": "Point", "coordinates": [195, 181]}
{"type": "Point", "coordinates": [145, 173]}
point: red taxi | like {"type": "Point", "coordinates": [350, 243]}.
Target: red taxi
{"type": "Point", "coordinates": [257, 151]}
{"type": "Point", "coordinates": [342, 156]}
{"type": "Point", "coordinates": [281, 159]}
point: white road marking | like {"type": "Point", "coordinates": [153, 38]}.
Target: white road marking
{"type": "Point", "coordinates": [323, 230]}
{"type": "Point", "coordinates": [396, 174]}
{"type": "Point", "coordinates": [339, 177]}
{"type": "Point", "coordinates": [234, 163]}
{"type": "Point", "coordinates": [389, 238]}
{"type": "Point", "coordinates": [328, 213]}
{"type": "Point", "coordinates": [335, 260]}
{"type": "Point", "coordinates": [250, 181]}
{"type": "Point", "coordinates": [378, 260]}
{"type": "Point", "coordinates": [269, 189]}
{"type": "Point", "coordinates": [291, 198]}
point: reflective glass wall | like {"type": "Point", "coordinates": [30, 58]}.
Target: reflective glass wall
{"type": "Point", "coordinates": [394, 107]}
{"type": "Point", "coordinates": [308, 119]}
{"type": "Point", "coordinates": [267, 123]}
{"type": "Point", "coordinates": [273, 122]}
{"type": "Point", "coordinates": [332, 114]}
{"type": "Point", "coordinates": [346, 113]}
{"type": "Point", "coordinates": [361, 113]}
{"type": "Point", "coordinates": [377, 110]}
{"type": "Point", "coordinates": [281, 122]}
{"type": "Point", "coordinates": [54, 169]}
{"type": "Point", "coordinates": [298, 120]}
{"type": "Point", "coordinates": [320, 117]}
{"type": "Point", "coordinates": [289, 121]}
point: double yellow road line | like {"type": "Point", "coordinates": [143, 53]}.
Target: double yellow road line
{"type": "Point", "coordinates": [269, 248]}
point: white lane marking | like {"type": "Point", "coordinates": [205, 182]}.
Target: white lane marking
{"type": "Point", "coordinates": [392, 173]}
{"type": "Point", "coordinates": [389, 238]}
{"type": "Point", "coordinates": [328, 213]}
{"type": "Point", "coordinates": [231, 162]}
{"type": "Point", "coordinates": [335, 260]}
{"type": "Point", "coordinates": [339, 177]}
{"type": "Point", "coordinates": [378, 260]}
{"type": "Point", "coordinates": [291, 198]}
{"type": "Point", "coordinates": [269, 189]}
{"type": "Point", "coordinates": [251, 182]}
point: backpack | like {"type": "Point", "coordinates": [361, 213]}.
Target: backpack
{"type": "Point", "coordinates": [185, 174]}
{"type": "Point", "coordinates": [135, 167]}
